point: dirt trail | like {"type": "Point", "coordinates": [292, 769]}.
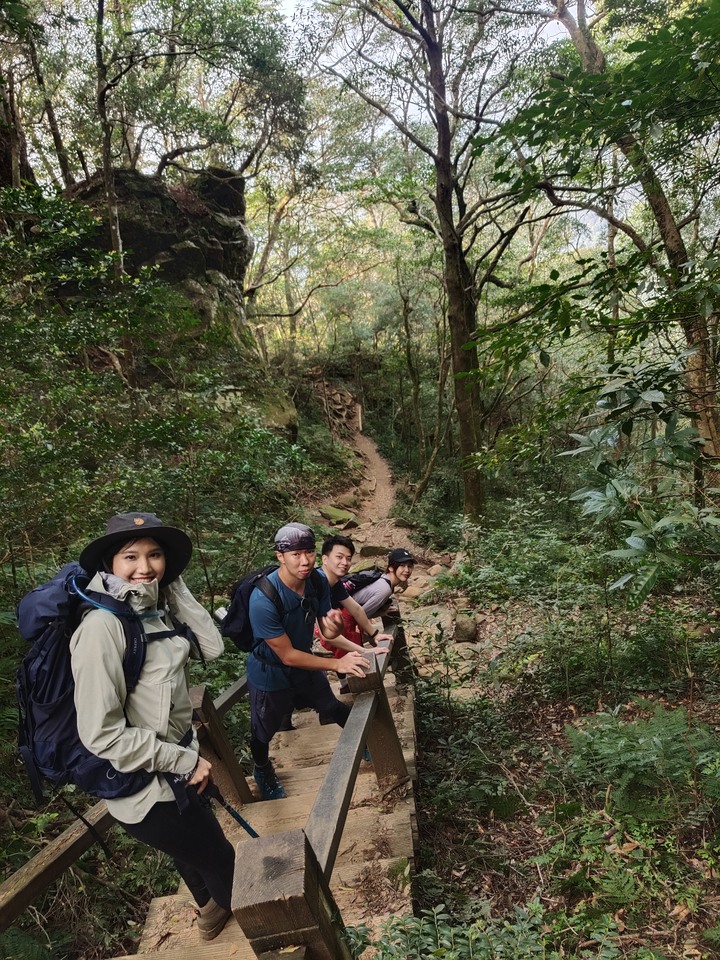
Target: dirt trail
{"type": "Point", "coordinates": [378, 505]}
{"type": "Point", "coordinates": [372, 500]}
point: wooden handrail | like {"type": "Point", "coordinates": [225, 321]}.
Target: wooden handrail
{"type": "Point", "coordinates": [286, 900]}
{"type": "Point", "coordinates": [281, 894]}
{"type": "Point", "coordinates": [20, 889]}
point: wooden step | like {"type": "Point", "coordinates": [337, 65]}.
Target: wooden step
{"type": "Point", "coordinates": [376, 849]}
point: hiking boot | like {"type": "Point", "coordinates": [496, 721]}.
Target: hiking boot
{"type": "Point", "coordinates": [211, 919]}
{"type": "Point", "coordinates": [268, 783]}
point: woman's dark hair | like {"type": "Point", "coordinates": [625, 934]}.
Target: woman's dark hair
{"type": "Point", "coordinates": [108, 557]}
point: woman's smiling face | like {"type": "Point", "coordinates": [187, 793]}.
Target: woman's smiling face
{"type": "Point", "coordinates": [140, 561]}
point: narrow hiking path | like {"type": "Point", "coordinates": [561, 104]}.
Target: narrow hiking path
{"type": "Point", "coordinates": [371, 878]}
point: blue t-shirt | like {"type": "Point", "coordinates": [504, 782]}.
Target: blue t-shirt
{"type": "Point", "coordinates": [298, 623]}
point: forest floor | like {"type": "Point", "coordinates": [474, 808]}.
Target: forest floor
{"type": "Point", "coordinates": [504, 829]}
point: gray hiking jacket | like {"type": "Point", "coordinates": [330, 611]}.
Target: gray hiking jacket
{"type": "Point", "coordinates": [139, 731]}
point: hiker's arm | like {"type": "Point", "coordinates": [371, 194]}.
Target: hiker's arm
{"type": "Point", "coordinates": [184, 608]}
{"type": "Point", "coordinates": [342, 643]}
{"type": "Point", "coordinates": [101, 700]}
{"type": "Point", "coordinates": [359, 615]}
{"type": "Point", "coordinates": [353, 662]}
{"type": "Point", "coordinates": [330, 624]}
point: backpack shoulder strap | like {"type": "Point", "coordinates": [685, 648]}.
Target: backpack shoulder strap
{"type": "Point", "coordinates": [266, 587]}
{"type": "Point", "coordinates": [135, 636]}
{"type": "Point", "coordinates": [316, 579]}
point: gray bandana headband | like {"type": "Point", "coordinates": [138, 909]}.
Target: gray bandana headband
{"type": "Point", "coordinates": [294, 536]}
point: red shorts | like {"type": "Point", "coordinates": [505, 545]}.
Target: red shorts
{"type": "Point", "coordinates": [351, 631]}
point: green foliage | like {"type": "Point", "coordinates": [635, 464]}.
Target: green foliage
{"type": "Point", "coordinates": [21, 945]}
{"type": "Point", "coordinates": [646, 767]}
{"type": "Point", "coordinates": [525, 933]}
{"type": "Point", "coordinates": [519, 553]}
{"type": "Point", "coordinates": [645, 484]}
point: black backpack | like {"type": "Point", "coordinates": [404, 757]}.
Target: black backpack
{"type": "Point", "coordinates": [48, 738]}
{"type": "Point", "coordinates": [236, 623]}
{"type": "Point", "coordinates": [363, 578]}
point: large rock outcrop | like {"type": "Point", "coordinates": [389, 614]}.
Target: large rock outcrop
{"type": "Point", "coordinates": [195, 233]}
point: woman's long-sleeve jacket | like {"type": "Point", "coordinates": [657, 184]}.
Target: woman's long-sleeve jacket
{"type": "Point", "coordinates": [140, 730]}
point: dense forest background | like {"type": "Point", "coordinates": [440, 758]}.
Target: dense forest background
{"type": "Point", "coordinates": [498, 226]}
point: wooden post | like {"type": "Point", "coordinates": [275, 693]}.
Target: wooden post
{"type": "Point", "coordinates": [382, 740]}
{"type": "Point", "coordinates": [281, 899]}
{"type": "Point", "coordinates": [401, 662]}
{"type": "Point", "coordinates": [204, 710]}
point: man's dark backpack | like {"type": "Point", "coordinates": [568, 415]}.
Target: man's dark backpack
{"type": "Point", "coordinates": [236, 623]}
{"type": "Point", "coordinates": [47, 736]}
{"type": "Point", "coordinates": [363, 578]}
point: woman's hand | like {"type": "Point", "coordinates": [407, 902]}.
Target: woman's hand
{"type": "Point", "coordinates": [202, 775]}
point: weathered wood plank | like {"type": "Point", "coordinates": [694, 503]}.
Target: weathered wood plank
{"type": "Point", "coordinates": [327, 819]}
{"type": "Point", "coordinates": [19, 890]}
{"type": "Point", "coordinates": [232, 696]}
{"type": "Point", "coordinates": [204, 710]}
{"type": "Point", "coordinates": [281, 898]}
{"type": "Point", "coordinates": [384, 744]}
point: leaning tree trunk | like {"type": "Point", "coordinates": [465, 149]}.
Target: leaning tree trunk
{"type": "Point", "coordinates": [701, 375]}
{"type": "Point", "coordinates": [66, 173]}
{"type": "Point", "coordinates": [15, 168]}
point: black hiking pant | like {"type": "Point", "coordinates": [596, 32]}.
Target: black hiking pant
{"type": "Point", "coordinates": [202, 854]}
{"type": "Point", "coordinates": [270, 708]}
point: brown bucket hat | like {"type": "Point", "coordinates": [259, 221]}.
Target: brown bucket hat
{"type": "Point", "coordinates": [132, 526]}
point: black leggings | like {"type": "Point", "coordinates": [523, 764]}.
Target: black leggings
{"type": "Point", "coordinates": [201, 852]}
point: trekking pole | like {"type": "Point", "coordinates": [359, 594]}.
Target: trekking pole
{"type": "Point", "coordinates": [212, 791]}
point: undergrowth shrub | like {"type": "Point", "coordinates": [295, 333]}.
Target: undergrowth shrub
{"type": "Point", "coordinates": [655, 769]}
{"type": "Point", "coordinates": [598, 655]}
{"type": "Point", "coordinates": [527, 932]}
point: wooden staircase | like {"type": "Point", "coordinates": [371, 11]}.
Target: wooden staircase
{"type": "Point", "coordinates": [370, 879]}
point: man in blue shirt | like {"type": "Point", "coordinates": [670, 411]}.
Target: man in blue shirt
{"type": "Point", "coordinates": [282, 672]}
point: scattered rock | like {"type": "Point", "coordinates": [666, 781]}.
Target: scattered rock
{"type": "Point", "coordinates": [351, 524]}
{"type": "Point", "coordinates": [404, 523]}
{"type": "Point", "coordinates": [334, 515]}
{"type": "Point", "coordinates": [465, 629]}
{"type": "Point", "coordinates": [372, 550]}
{"type": "Point", "coordinates": [437, 569]}
{"type": "Point", "coordinates": [412, 593]}
{"type": "Point", "coordinates": [468, 651]}
{"type": "Point", "coordinates": [346, 502]}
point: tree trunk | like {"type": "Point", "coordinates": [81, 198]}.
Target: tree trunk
{"type": "Point", "coordinates": [14, 166]}
{"type": "Point", "coordinates": [415, 380]}
{"type": "Point", "coordinates": [701, 372]}
{"type": "Point", "coordinates": [290, 307]}
{"type": "Point", "coordinates": [67, 177]}
{"type": "Point", "coordinates": [102, 93]}
{"type": "Point", "coordinates": [458, 278]}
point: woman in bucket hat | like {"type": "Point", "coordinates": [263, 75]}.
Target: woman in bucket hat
{"type": "Point", "coordinates": [139, 560]}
